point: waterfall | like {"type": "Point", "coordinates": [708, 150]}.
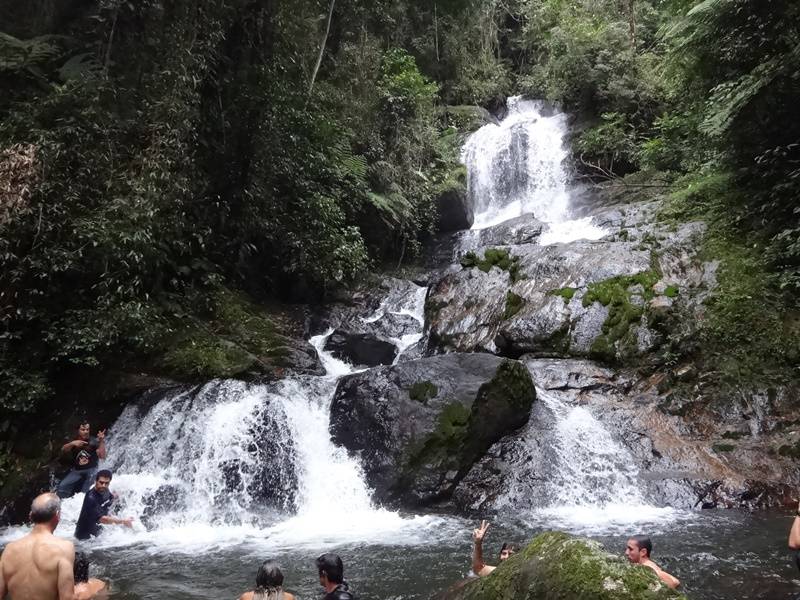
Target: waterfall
{"type": "Point", "coordinates": [570, 470]}
{"type": "Point", "coordinates": [517, 167]}
{"type": "Point", "coordinates": [228, 461]}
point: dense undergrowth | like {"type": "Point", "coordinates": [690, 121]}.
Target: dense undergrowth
{"type": "Point", "coordinates": [156, 157]}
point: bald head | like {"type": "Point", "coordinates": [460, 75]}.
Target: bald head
{"type": "Point", "coordinates": [45, 508]}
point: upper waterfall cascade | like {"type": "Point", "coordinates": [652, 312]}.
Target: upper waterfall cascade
{"type": "Point", "coordinates": [517, 167]}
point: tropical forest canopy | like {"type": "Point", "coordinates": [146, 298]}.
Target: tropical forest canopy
{"type": "Point", "coordinates": [156, 156]}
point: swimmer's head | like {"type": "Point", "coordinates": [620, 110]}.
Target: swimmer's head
{"type": "Point", "coordinates": [330, 568]}
{"type": "Point", "coordinates": [80, 570]}
{"type": "Point", "coordinates": [46, 508]}
{"type": "Point", "coordinates": [269, 576]}
{"type": "Point", "coordinates": [507, 550]}
{"type": "Point", "coordinates": [638, 548]}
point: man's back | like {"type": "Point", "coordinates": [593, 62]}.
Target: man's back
{"type": "Point", "coordinates": [37, 566]}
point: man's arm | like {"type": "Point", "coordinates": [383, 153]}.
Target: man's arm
{"type": "Point", "coordinates": [669, 580]}
{"type": "Point", "coordinates": [108, 520]}
{"type": "Point", "coordinates": [66, 577]}
{"type": "Point", "coordinates": [101, 444]}
{"type": "Point", "coordinates": [73, 444]}
{"type": "Point", "coordinates": [3, 588]}
{"type": "Point", "coordinates": [479, 567]}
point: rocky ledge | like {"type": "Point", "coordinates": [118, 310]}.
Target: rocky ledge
{"type": "Point", "coordinates": [556, 566]}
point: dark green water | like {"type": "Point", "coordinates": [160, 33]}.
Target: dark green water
{"type": "Point", "coordinates": [716, 554]}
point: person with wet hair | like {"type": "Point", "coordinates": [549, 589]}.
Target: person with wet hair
{"type": "Point", "coordinates": [331, 578]}
{"type": "Point", "coordinates": [96, 506]}
{"type": "Point", "coordinates": [269, 584]}
{"type": "Point", "coordinates": [638, 550]}
{"type": "Point", "coordinates": [479, 566]}
{"type": "Point", "coordinates": [87, 588]}
{"type": "Point", "coordinates": [39, 565]}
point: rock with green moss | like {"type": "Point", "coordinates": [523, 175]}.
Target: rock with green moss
{"type": "Point", "coordinates": [556, 566]}
{"type": "Point", "coordinates": [419, 426]}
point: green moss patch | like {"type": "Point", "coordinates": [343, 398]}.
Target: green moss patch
{"type": "Point", "coordinates": [493, 257]}
{"type": "Point", "coordinates": [514, 303]}
{"type": "Point", "coordinates": [422, 391]}
{"type": "Point", "coordinates": [790, 450]}
{"type": "Point", "coordinates": [566, 293]}
{"type": "Point", "coordinates": [622, 313]}
{"type": "Point", "coordinates": [558, 566]}
{"type": "Point", "coordinates": [671, 291]}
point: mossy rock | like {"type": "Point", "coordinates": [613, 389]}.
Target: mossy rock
{"type": "Point", "coordinates": [557, 566]}
{"type": "Point", "coordinates": [494, 257]}
{"type": "Point", "coordinates": [422, 391]}
{"type": "Point", "coordinates": [514, 304]}
{"type": "Point", "coordinates": [566, 293]}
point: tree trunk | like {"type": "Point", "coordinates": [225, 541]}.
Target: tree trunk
{"type": "Point", "coordinates": [632, 23]}
{"type": "Point", "coordinates": [321, 50]}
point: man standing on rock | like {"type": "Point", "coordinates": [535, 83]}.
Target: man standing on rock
{"type": "Point", "coordinates": [638, 551]}
{"type": "Point", "coordinates": [39, 566]}
{"type": "Point", "coordinates": [86, 451]}
{"type": "Point", "coordinates": [479, 567]}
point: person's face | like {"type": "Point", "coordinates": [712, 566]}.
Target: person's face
{"type": "Point", "coordinates": [84, 431]}
{"type": "Point", "coordinates": [323, 579]}
{"type": "Point", "coordinates": [506, 554]}
{"type": "Point", "coordinates": [633, 552]}
{"type": "Point", "coordinates": [102, 483]}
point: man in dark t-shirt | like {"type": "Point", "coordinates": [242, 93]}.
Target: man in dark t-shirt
{"type": "Point", "coordinates": [96, 505]}
{"type": "Point", "coordinates": [331, 578]}
{"type": "Point", "coordinates": [84, 452]}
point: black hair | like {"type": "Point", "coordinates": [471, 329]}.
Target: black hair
{"type": "Point", "coordinates": [331, 566]}
{"type": "Point", "coordinates": [80, 570]}
{"type": "Point", "coordinates": [508, 546]}
{"type": "Point", "coordinates": [644, 543]}
{"type": "Point", "coordinates": [269, 575]}
{"type": "Point", "coordinates": [43, 509]}
{"type": "Point", "coordinates": [103, 473]}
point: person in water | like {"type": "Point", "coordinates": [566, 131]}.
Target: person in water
{"type": "Point", "coordinates": [96, 505]}
{"type": "Point", "coordinates": [331, 577]}
{"type": "Point", "coordinates": [87, 588]}
{"type": "Point", "coordinates": [269, 584]}
{"type": "Point", "coordinates": [638, 550]}
{"type": "Point", "coordinates": [85, 452]}
{"type": "Point", "coordinates": [39, 566]}
{"type": "Point", "coordinates": [794, 536]}
{"type": "Point", "coordinates": [479, 567]}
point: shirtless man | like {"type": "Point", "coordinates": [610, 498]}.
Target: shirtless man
{"type": "Point", "coordinates": [638, 551]}
{"type": "Point", "coordinates": [479, 567]}
{"type": "Point", "coordinates": [39, 566]}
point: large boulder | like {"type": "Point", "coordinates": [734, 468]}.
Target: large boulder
{"type": "Point", "coordinates": [454, 208]}
{"type": "Point", "coordinates": [361, 348]}
{"type": "Point", "coordinates": [556, 566]}
{"type": "Point", "coordinates": [419, 426]}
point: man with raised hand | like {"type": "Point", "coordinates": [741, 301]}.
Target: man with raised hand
{"type": "Point", "coordinates": [479, 567]}
{"type": "Point", "coordinates": [85, 452]}
{"type": "Point", "coordinates": [638, 550]}
{"type": "Point", "coordinates": [39, 566]}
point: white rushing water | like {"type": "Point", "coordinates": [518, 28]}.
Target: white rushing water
{"type": "Point", "coordinates": [591, 482]}
{"type": "Point", "coordinates": [517, 167]}
{"type": "Point", "coordinates": [230, 463]}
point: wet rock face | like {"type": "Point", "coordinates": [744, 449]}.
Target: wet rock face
{"type": "Point", "coordinates": [557, 566]}
{"type": "Point", "coordinates": [419, 426]}
{"type": "Point", "coordinates": [617, 299]}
